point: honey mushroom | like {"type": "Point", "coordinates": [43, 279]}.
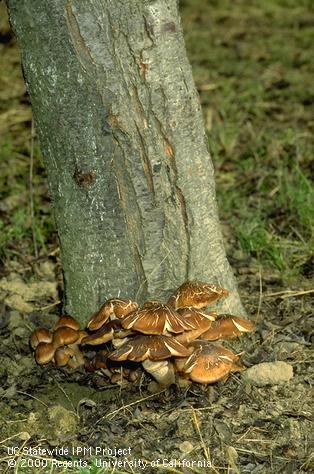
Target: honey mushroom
{"type": "Point", "coordinates": [197, 294]}
{"type": "Point", "coordinates": [40, 335]}
{"type": "Point", "coordinates": [156, 318]}
{"type": "Point", "coordinates": [44, 352]}
{"type": "Point", "coordinates": [68, 321]}
{"type": "Point", "coordinates": [107, 332]}
{"type": "Point", "coordinates": [165, 339]}
{"type": "Point", "coordinates": [115, 308]}
{"type": "Point", "coordinates": [199, 321]}
{"type": "Point", "coordinates": [208, 363]}
{"type": "Point", "coordinates": [228, 327]}
{"type": "Point", "coordinates": [61, 345]}
{"type": "Point", "coordinates": [158, 322]}
{"type": "Point", "coordinates": [152, 351]}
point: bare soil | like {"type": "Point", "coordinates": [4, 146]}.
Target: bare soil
{"type": "Point", "coordinates": [231, 426]}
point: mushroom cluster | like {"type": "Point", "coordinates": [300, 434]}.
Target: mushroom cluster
{"type": "Point", "coordinates": [61, 345]}
{"type": "Point", "coordinates": [172, 340]}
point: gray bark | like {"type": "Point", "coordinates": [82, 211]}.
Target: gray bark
{"type": "Point", "coordinates": [122, 135]}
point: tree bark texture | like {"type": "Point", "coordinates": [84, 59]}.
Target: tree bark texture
{"type": "Point", "coordinates": [122, 135]}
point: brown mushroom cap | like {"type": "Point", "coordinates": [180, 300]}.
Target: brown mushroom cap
{"type": "Point", "coordinates": [115, 306]}
{"type": "Point", "coordinates": [66, 320]}
{"type": "Point", "coordinates": [227, 327]}
{"type": "Point", "coordinates": [122, 308]}
{"type": "Point", "coordinates": [64, 336]}
{"type": "Point", "coordinates": [44, 353]}
{"type": "Point", "coordinates": [61, 357]}
{"type": "Point", "coordinates": [113, 329]}
{"type": "Point", "coordinates": [199, 320]}
{"type": "Point", "coordinates": [208, 363]}
{"type": "Point", "coordinates": [69, 355]}
{"type": "Point", "coordinates": [156, 318]}
{"type": "Point", "coordinates": [40, 335]}
{"type": "Point", "coordinates": [140, 348]}
{"type": "Point", "coordinates": [196, 294]}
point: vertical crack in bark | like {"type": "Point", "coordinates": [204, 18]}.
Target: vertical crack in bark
{"type": "Point", "coordinates": [181, 200]}
{"type": "Point", "coordinates": [145, 158]}
{"type": "Point", "coordinates": [146, 166]}
{"type": "Point", "coordinates": [178, 191]}
{"type": "Point", "coordinates": [83, 53]}
{"type": "Point", "coordinates": [134, 228]}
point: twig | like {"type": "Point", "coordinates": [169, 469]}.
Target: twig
{"type": "Point", "coordinates": [34, 398]}
{"type": "Point", "coordinates": [260, 294]}
{"type": "Point", "coordinates": [205, 449]}
{"type": "Point", "coordinates": [67, 397]}
{"type": "Point", "coordinates": [43, 308]}
{"type": "Point", "coordinates": [288, 293]}
{"type": "Point", "coordinates": [16, 435]}
{"type": "Point", "coordinates": [113, 413]}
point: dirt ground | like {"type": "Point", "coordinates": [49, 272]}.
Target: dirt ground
{"type": "Point", "coordinates": [91, 426]}
{"type": "Point", "coordinates": [233, 426]}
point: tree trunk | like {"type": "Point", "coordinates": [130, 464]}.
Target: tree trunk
{"type": "Point", "coordinates": [122, 135]}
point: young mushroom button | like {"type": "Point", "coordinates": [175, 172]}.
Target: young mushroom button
{"type": "Point", "coordinates": [44, 353]}
{"type": "Point", "coordinates": [64, 336]}
{"type": "Point", "coordinates": [40, 335]}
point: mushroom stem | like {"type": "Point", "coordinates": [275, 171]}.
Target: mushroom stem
{"type": "Point", "coordinates": [162, 371]}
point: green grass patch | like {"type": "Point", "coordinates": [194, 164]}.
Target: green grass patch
{"type": "Point", "coordinates": [253, 67]}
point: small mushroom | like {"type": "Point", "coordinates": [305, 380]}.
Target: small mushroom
{"type": "Point", "coordinates": [156, 318]}
{"type": "Point", "coordinates": [76, 356]}
{"type": "Point", "coordinates": [69, 355]}
{"type": "Point", "coordinates": [68, 321]}
{"type": "Point", "coordinates": [196, 294]}
{"type": "Point", "coordinates": [98, 362]}
{"type": "Point", "coordinates": [63, 336]}
{"type": "Point", "coordinates": [208, 363]}
{"type": "Point", "coordinates": [40, 335]}
{"type": "Point", "coordinates": [61, 356]}
{"type": "Point", "coordinates": [118, 378]}
{"type": "Point", "coordinates": [227, 327]}
{"type": "Point", "coordinates": [113, 307]}
{"type": "Point", "coordinates": [44, 353]}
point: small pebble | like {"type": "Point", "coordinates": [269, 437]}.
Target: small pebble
{"type": "Point", "coordinates": [62, 421]}
{"type": "Point", "coordinates": [268, 373]}
{"type": "Point", "coordinates": [186, 447]}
